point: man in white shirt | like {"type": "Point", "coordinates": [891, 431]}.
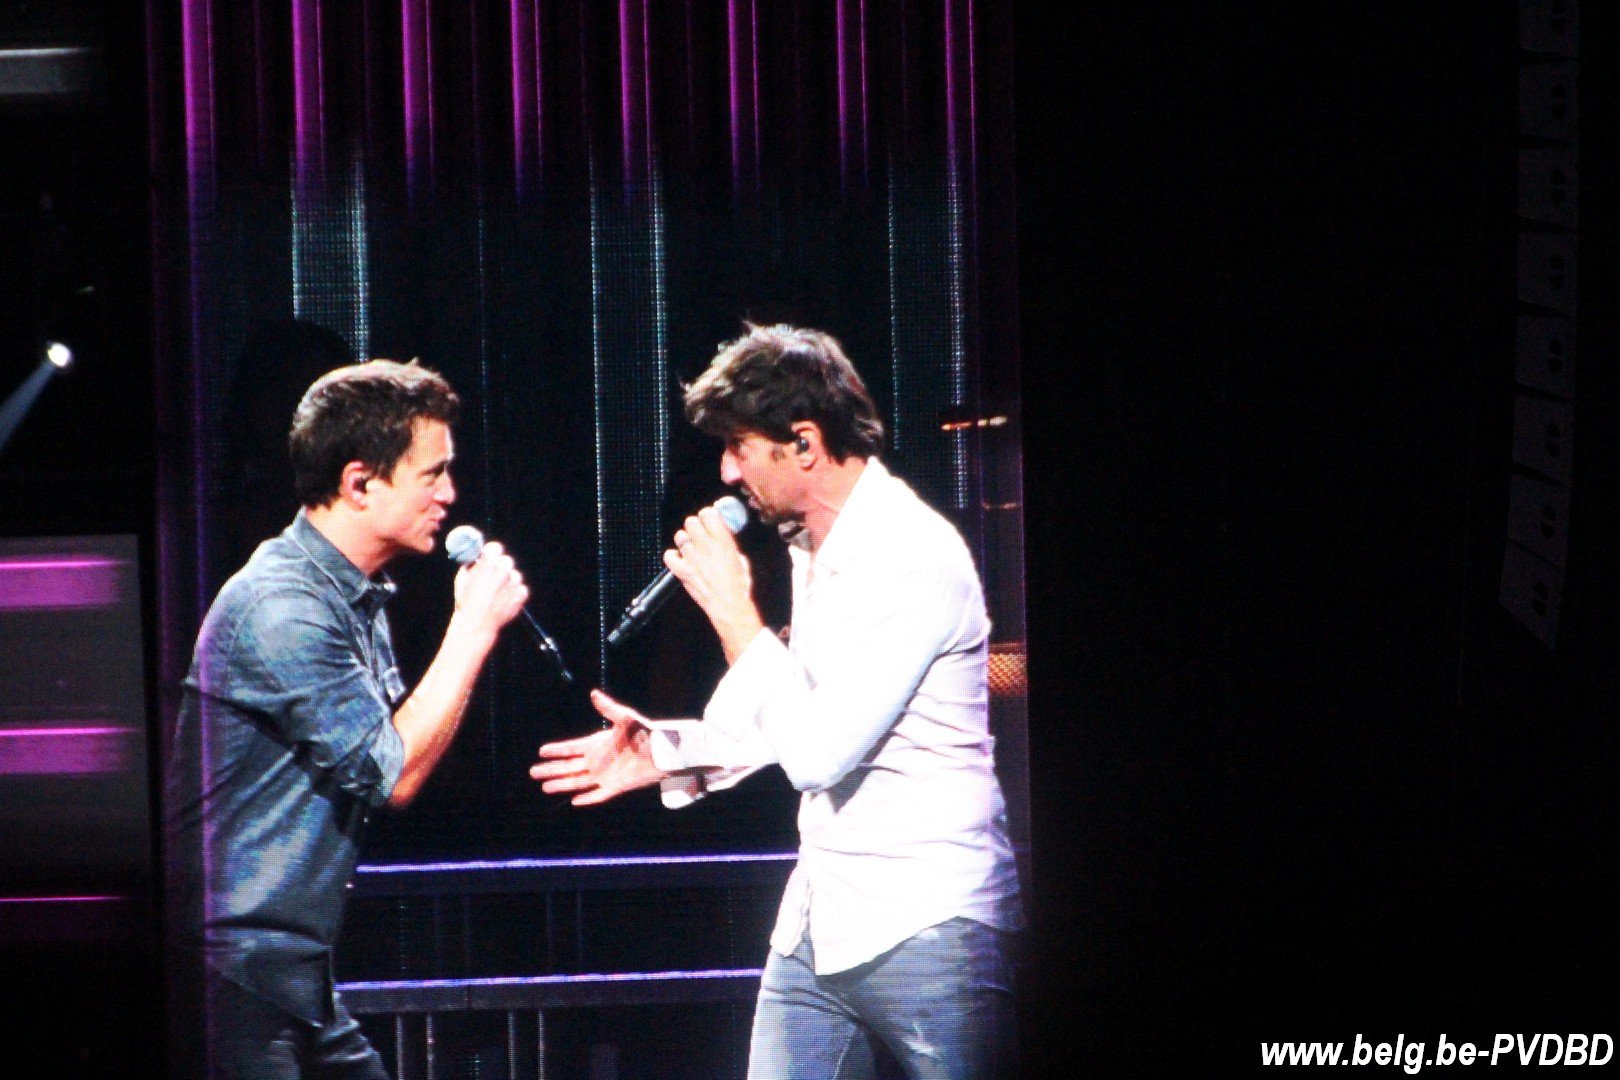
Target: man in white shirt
{"type": "Point", "coordinates": [896, 922]}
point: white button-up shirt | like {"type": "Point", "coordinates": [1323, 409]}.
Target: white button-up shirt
{"type": "Point", "coordinates": [877, 710]}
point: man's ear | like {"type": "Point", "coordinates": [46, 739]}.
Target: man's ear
{"type": "Point", "coordinates": [352, 486]}
{"type": "Point", "coordinates": [807, 444]}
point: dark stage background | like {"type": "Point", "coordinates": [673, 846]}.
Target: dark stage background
{"type": "Point", "coordinates": [1295, 771]}
{"type": "Point", "coordinates": [1304, 774]}
{"type": "Point", "coordinates": [565, 207]}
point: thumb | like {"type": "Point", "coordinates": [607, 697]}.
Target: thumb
{"type": "Point", "coordinates": [612, 710]}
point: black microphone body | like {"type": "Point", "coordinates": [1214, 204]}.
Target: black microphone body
{"type": "Point", "coordinates": [641, 610]}
{"type": "Point", "coordinates": [646, 604]}
{"type": "Point", "coordinates": [463, 545]}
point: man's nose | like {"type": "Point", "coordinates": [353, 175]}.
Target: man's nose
{"type": "Point", "coordinates": [447, 490]}
{"type": "Point", "coordinates": [729, 473]}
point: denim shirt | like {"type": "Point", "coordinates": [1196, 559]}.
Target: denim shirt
{"type": "Point", "coordinates": [284, 744]}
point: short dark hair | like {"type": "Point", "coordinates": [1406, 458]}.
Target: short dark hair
{"type": "Point", "coordinates": [776, 376]}
{"type": "Point", "coordinates": [366, 413]}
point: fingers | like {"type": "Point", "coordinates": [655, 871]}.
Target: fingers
{"type": "Point", "coordinates": [514, 593]}
{"type": "Point", "coordinates": [567, 748]}
{"type": "Point", "coordinates": [569, 777]}
{"type": "Point", "coordinates": [700, 545]}
{"type": "Point", "coordinates": [498, 569]}
{"type": "Point", "coordinates": [561, 777]}
{"type": "Point", "coordinates": [491, 588]}
{"type": "Point", "coordinates": [593, 768]}
{"type": "Point", "coordinates": [490, 570]}
{"type": "Point", "coordinates": [703, 553]}
{"type": "Point", "coordinates": [589, 793]}
{"type": "Point", "coordinates": [553, 770]}
{"type": "Point", "coordinates": [517, 596]}
{"type": "Point", "coordinates": [697, 527]}
{"type": "Point", "coordinates": [567, 785]}
{"type": "Point", "coordinates": [713, 523]}
{"type": "Point", "coordinates": [677, 557]}
{"type": "Point", "coordinates": [494, 568]}
{"type": "Point", "coordinates": [493, 563]}
{"type": "Point", "coordinates": [704, 527]}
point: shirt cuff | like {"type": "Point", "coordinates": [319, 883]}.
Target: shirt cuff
{"type": "Point", "coordinates": [681, 789]}
{"type": "Point", "coordinates": [665, 743]}
{"type": "Point", "coordinates": [388, 753]}
{"type": "Point", "coordinates": [682, 749]}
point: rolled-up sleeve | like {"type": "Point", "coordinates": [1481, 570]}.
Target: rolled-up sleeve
{"type": "Point", "coordinates": [294, 664]}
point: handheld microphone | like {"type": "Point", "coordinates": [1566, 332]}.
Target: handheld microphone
{"type": "Point", "coordinates": [463, 544]}
{"type": "Point", "coordinates": [735, 515]}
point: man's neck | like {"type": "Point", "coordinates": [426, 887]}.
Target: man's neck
{"type": "Point", "coordinates": [829, 496]}
{"type": "Point", "coordinates": [347, 534]}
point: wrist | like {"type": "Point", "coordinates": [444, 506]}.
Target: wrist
{"type": "Point", "coordinates": [660, 758]}
{"type": "Point", "coordinates": [472, 635]}
{"type": "Point", "coordinates": [737, 634]}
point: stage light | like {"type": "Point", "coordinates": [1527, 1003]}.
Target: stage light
{"type": "Point", "coordinates": [59, 355]}
{"type": "Point", "coordinates": [973, 418]}
{"type": "Point", "coordinates": [57, 358]}
{"type": "Point", "coordinates": [973, 422]}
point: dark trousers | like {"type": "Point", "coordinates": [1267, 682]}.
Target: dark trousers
{"type": "Point", "coordinates": [234, 1034]}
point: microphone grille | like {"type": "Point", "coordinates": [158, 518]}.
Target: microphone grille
{"type": "Point", "coordinates": [732, 512]}
{"type": "Point", "coordinates": [463, 544]}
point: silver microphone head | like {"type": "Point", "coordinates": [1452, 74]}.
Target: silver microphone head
{"type": "Point", "coordinates": [732, 512]}
{"type": "Point", "coordinates": [463, 544]}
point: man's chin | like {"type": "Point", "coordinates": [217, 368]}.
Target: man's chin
{"type": "Point", "coordinates": [780, 520]}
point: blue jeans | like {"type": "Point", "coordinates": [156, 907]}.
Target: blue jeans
{"type": "Point", "coordinates": [940, 1002]}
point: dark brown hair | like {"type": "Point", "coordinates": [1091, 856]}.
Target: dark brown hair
{"type": "Point", "coordinates": [775, 376]}
{"type": "Point", "coordinates": [366, 413]}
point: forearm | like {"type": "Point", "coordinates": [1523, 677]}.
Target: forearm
{"type": "Point", "coordinates": [818, 731]}
{"type": "Point", "coordinates": [428, 720]}
{"type": "Point", "coordinates": [737, 628]}
{"type": "Point", "coordinates": [819, 737]}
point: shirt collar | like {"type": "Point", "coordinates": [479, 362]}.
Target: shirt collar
{"type": "Point", "coordinates": [365, 594]}
{"type": "Point", "coordinates": [856, 516]}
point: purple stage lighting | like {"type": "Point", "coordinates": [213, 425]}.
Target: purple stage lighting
{"type": "Point", "coordinates": [56, 583]}
{"type": "Point", "coordinates": [73, 751]}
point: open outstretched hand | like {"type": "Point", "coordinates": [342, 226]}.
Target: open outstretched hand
{"type": "Point", "coordinates": [603, 765]}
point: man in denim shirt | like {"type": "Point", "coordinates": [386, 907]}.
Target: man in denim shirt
{"type": "Point", "coordinates": [295, 725]}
